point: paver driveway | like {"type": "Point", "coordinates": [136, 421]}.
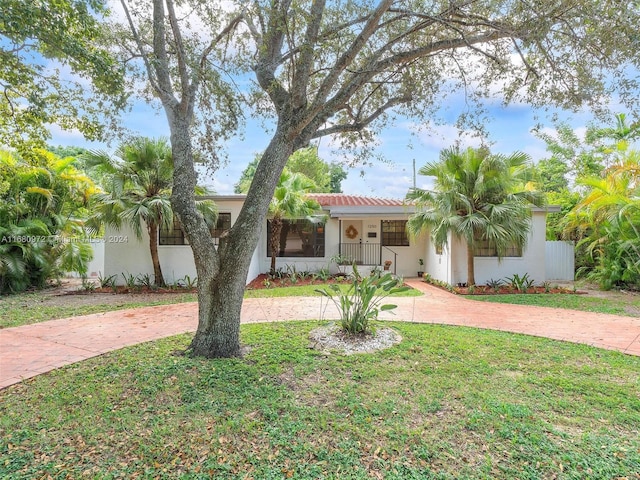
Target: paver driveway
{"type": "Point", "coordinates": [34, 349]}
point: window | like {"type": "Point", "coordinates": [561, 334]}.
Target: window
{"type": "Point", "coordinates": [299, 238]}
{"type": "Point", "coordinates": [176, 237]}
{"type": "Point", "coordinates": [173, 236]}
{"type": "Point", "coordinates": [484, 248]}
{"type": "Point", "coordinates": [222, 225]}
{"type": "Point", "coordinates": [394, 233]}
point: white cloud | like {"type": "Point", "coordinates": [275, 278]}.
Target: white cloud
{"type": "Point", "coordinates": [445, 136]}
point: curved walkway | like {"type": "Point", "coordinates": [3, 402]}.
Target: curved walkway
{"type": "Point", "coordinates": [30, 350]}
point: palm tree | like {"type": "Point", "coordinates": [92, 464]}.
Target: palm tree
{"type": "Point", "coordinates": [43, 204]}
{"type": "Point", "coordinates": [607, 220]}
{"type": "Point", "coordinates": [477, 197]}
{"type": "Point", "coordinates": [138, 181]}
{"type": "Point", "coordinates": [289, 201]}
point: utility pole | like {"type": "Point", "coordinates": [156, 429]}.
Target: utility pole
{"type": "Point", "coordinates": [414, 173]}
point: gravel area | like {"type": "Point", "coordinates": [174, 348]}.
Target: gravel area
{"type": "Point", "coordinates": [332, 338]}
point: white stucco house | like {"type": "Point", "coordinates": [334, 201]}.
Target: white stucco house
{"type": "Point", "coordinates": [366, 230]}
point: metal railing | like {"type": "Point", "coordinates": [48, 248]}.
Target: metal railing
{"type": "Point", "coordinates": [361, 253]}
{"type": "Point", "coordinates": [395, 258]}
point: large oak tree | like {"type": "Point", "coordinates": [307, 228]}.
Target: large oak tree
{"type": "Point", "coordinates": [345, 68]}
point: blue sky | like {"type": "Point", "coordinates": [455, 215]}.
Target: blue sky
{"type": "Point", "coordinates": [399, 144]}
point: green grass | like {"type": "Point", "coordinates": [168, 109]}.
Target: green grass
{"type": "Point", "coordinates": [310, 291]}
{"type": "Point", "coordinates": [32, 307]}
{"type": "Point", "coordinates": [446, 403]}
{"type": "Point", "coordinates": [614, 305]}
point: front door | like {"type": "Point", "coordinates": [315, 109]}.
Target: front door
{"type": "Point", "coordinates": [352, 240]}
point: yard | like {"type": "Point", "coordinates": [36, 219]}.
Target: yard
{"type": "Point", "coordinates": [445, 403]}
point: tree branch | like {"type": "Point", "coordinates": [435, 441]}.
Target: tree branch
{"type": "Point", "coordinates": [268, 60]}
{"type": "Point", "coordinates": [354, 127]}
{"type": "Point", "coordinates": [305, 62]}
{"type": "Point", "coordinates": [349, 56]}
{"type": "Point", "coordinates": [187, 99]}
{"type": "Point", "coordinates": [142, 53]}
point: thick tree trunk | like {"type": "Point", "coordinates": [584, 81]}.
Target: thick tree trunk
{"type": "Point", "coordinates": [222, 272]}
{"type": "Point", "coordinates": [220, 302]}
{"type": "Point", "coordinates": [471, 277]}
{"type": "Point", "coordinates": [155, 259]}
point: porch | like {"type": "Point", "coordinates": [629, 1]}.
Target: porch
{"type": "Point", "coordinates": [368, 254]}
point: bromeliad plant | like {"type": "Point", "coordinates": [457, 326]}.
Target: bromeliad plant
{"type": "Point", "coordinates": [362, 302]}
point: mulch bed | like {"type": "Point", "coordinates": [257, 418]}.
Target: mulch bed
{"type": "Point", "coordinates": [507, 290]}
{"type": "Point", "coordinates": [122, 290]}
{"type": "Point", "coordinates": [264, 280]}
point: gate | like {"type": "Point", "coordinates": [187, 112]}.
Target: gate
{"type": "Point", "coordinates": [560, 260]}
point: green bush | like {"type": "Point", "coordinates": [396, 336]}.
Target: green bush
{"type": "Point", "coordinates": [362, 302]}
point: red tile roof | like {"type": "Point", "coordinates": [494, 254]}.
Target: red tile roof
{"type": "Point", "coordinates": [344, 200]}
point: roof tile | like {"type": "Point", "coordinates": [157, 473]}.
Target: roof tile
{"type": "Point", "coordinates": [344, 200]}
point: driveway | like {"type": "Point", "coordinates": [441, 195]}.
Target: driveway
{"type": "Point", "coordinates": [30, 350]}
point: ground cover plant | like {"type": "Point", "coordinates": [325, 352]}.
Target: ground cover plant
{"type": "Point", "coordinates": [445, 403]}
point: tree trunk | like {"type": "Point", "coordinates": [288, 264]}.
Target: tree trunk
{"type": "Point", "coordinates": [274, 241]}
{"type": "Point", "coordinates": [471, 277]}
{"type": "Point", "coordinates": [153, 248]}
{"type": "Point", "coordinates": [219, 306]}
{"type": "Point", "coordinates": [222, 272]}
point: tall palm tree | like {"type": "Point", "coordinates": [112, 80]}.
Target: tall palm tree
{"type": "Point", "coordinates": [138, 180]}
{"type": "Point", "coordinates": [289, 201]}
{"type": "Point", "coordinates": [476, 196]}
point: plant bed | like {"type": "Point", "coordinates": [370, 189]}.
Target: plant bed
{"type": "Point", "coordinates": [123, 290]}
{"type": "Point", "coordinates": [507, 290]}
{"type": "Point", "coordinates": [501, 290]}
{"type": "Point", "coordinates": [264, 280]}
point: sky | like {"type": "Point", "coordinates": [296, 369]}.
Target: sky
{"type": "Point", "coordinates": [400, 144]}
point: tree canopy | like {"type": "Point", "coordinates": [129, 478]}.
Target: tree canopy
{"type": "Point", "coordinates": [477, 197]}
{"type": "Point", "coordinates": [44, 201]}
{"type": "Point", "coordinates": [42, 45]}
{"type": "Point", "coordinates": [327, 177]}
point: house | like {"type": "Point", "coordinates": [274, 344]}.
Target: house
{"type": "Point", "coordinates": [367, 230]}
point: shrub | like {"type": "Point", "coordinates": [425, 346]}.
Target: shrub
{"type": "Point", "coordinates": [495, 284]}
{"type": "Point", "coordinates": [362, 302]}
{"type": "Point", "coordinates": [521, 283]}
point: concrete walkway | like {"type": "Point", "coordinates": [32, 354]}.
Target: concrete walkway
{"type": "Point", "coordinates": [30, 350]}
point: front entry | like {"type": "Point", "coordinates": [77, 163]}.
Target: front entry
{"type": "Point", "coordinates": [352, 240]}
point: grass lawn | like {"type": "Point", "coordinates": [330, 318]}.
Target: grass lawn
{"type": "Point", "coordinates": [618, 305]}
{"type": "Point", "coordinates": [34, 307]}
{"type": "Point", "coordinates": [446, 403]}
{"type": "Point", "coordinates": [310, 290]}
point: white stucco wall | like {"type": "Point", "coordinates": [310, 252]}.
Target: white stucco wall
{"type": "Point", "coordinates": [124, 253]}
{"type": "Point", "coordinates": [488, 268]}
{"type": "Point", "coordinates": [438, 266]}
{"type": "Point", "coordinates": [532, 260]}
